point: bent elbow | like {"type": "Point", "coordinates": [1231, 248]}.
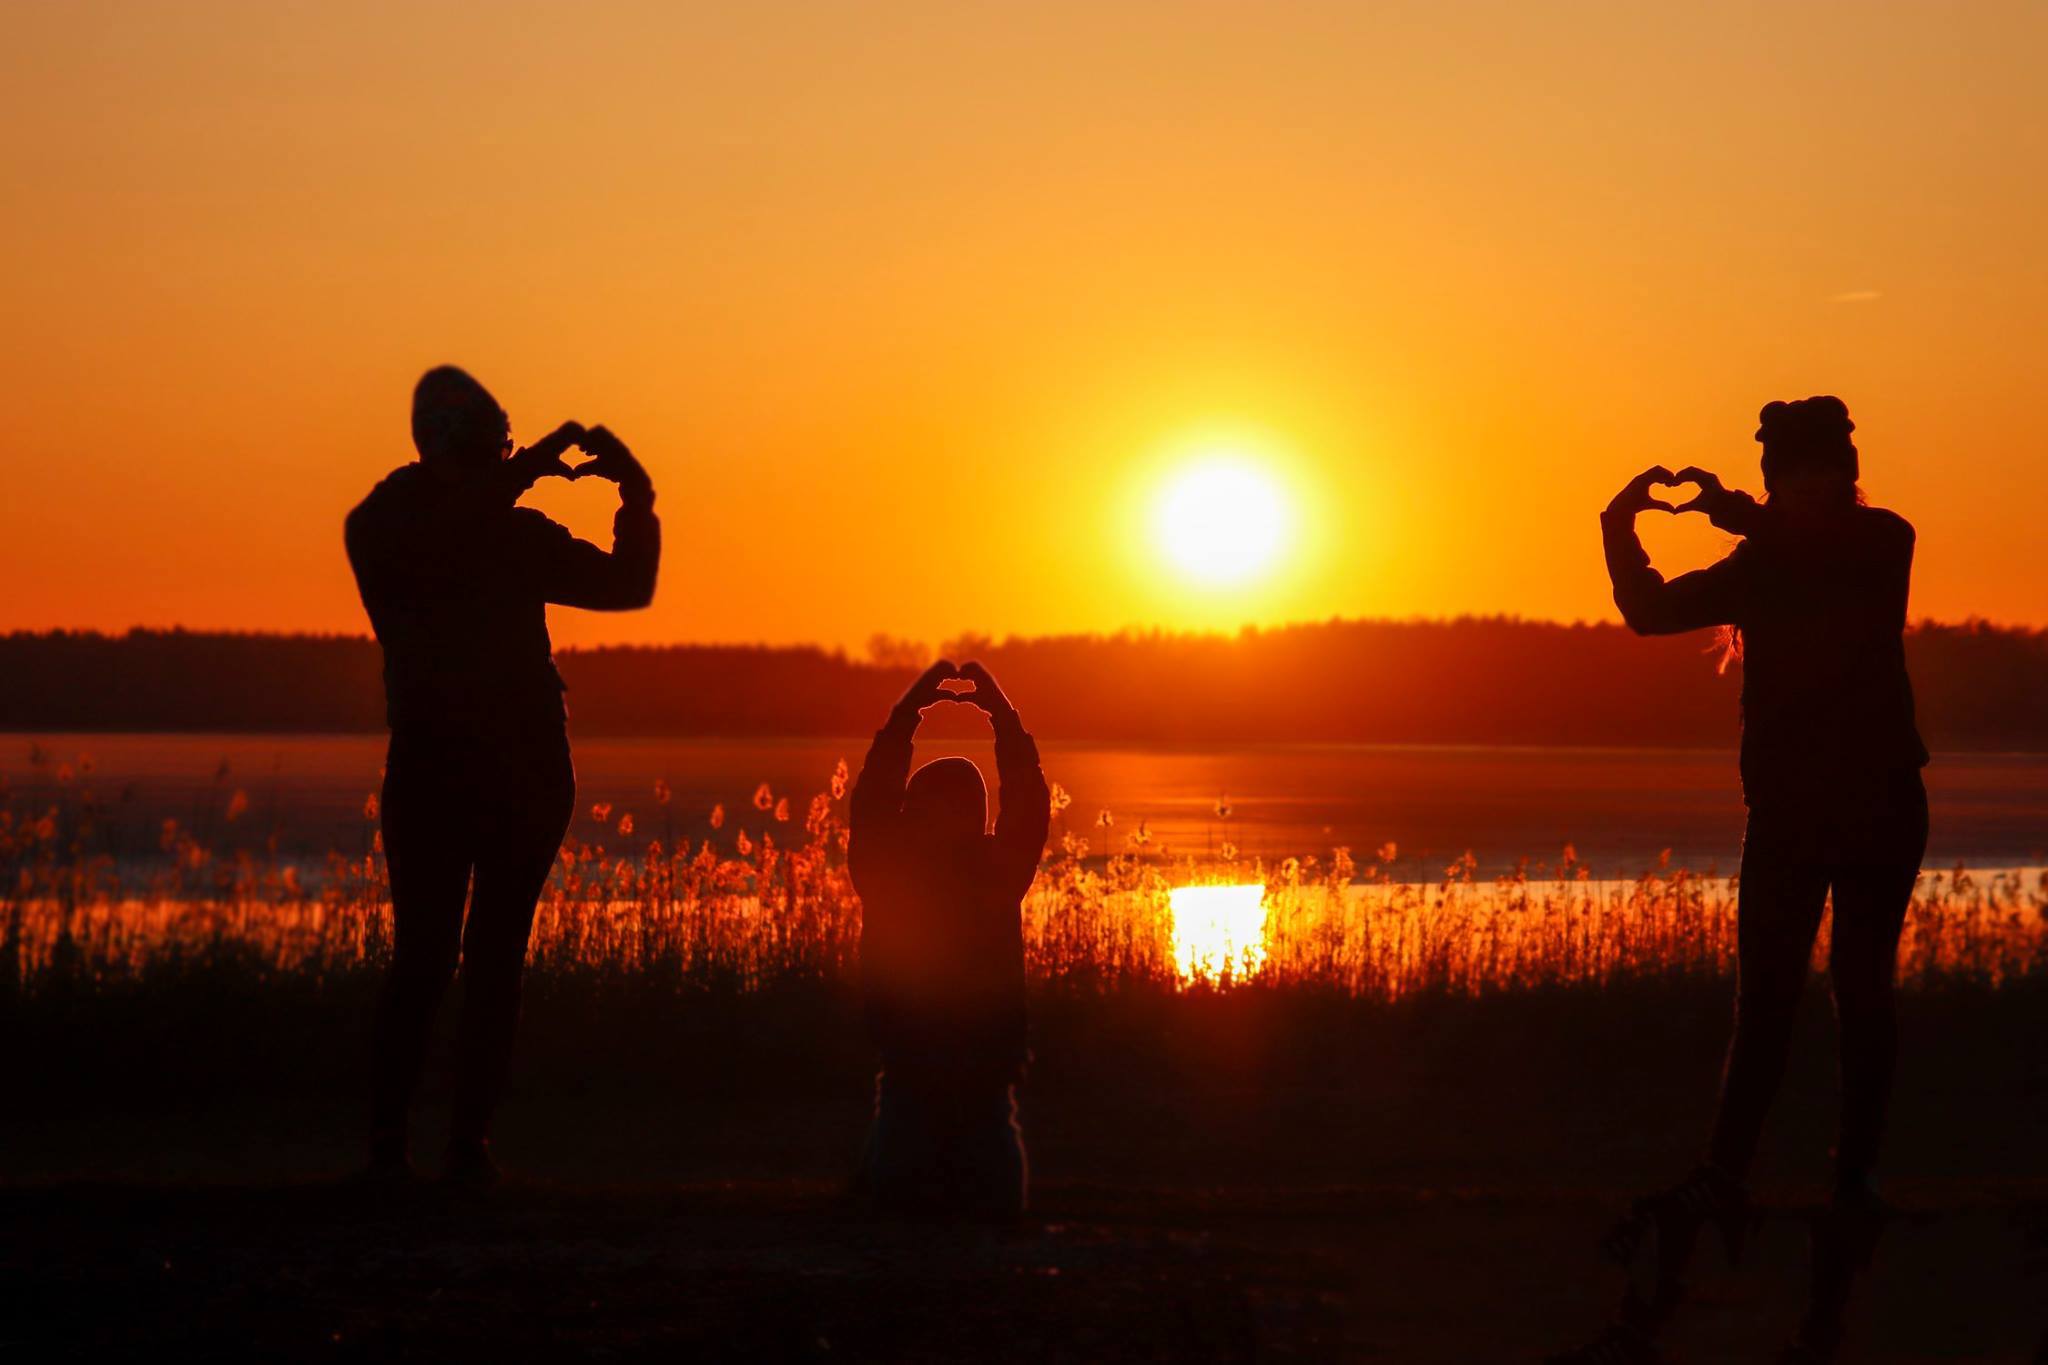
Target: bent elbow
{"type": "Point", "coordinates": [633, 594]}
{"type": "Point", "coordinates": [1650, 619]}
{"type": "Point", "coordinates": [643, 584]}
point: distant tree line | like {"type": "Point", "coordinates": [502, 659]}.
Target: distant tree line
{"type": "Point", "coordinates": [1467, 681]}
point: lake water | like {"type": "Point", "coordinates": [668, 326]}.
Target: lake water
{"type": "Point", "coordinates": [1618, 808]}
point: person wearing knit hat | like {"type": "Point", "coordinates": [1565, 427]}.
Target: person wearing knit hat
{"type": "Point", "coordinates": [478, 783]}
{"type": "Point", "coordinates": [1812, 602]}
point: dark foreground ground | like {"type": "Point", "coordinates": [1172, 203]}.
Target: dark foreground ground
{"type": "Point", "coordinates": [1218, 1179]}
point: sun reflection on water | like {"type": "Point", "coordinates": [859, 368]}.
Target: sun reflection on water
{"type": "Point", "coordinates": [1218, 931]}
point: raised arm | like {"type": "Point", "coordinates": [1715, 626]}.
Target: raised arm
{"type": "Point", "coordinates": [1026, 814]}
{"type": "Point", "coordinates": [576, 573]}
{"type": "Point", "coordinates": [877, 798]}
{"type": "Point", "coordinates": [1706, 597]}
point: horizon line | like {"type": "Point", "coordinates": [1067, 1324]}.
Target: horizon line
{"type": "Point", "coordinates": [865, 652]}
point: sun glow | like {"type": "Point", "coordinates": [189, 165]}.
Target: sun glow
{"type": "Point", "coordinates": [1218, 931]}
{"type": "Point", "coordinates": [1222, 519]}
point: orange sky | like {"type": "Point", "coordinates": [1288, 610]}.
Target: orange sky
{"type": "Point", "coordinates": [911, 308]}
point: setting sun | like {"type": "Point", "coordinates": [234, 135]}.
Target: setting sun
{"type": "Point", "coordinates": [1222, 519]}
{"type": "Point", "coordinates": [1218, 931]}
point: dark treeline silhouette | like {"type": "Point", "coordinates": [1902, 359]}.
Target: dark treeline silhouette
{"type": "Point", "coordinates": [1472, 680]}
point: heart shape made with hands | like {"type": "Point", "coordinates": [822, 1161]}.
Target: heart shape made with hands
{"type": "Point", "coordinates": [1675, 501]}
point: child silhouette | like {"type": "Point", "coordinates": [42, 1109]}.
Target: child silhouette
{"type": "Point", "coordinates": [942, 956]}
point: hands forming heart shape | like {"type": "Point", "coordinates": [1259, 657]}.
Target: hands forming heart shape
{"type": "Point", "coordinates": [969, 683]}
{"type": "Point", "coordinates": [609, 457]}
{"type": "Point", "coordinates": [1719, 504]}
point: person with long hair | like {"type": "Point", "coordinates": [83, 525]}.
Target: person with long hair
{"type": "Point", "coordinates": [1813, 603]}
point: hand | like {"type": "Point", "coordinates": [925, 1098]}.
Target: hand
{"type": "Point", "coordinates": [926, 691]}
{"type": "Point", "coordinates": [1635, 495]}
{"type": "Point", "coordinates": [543, 459]}
{"type": "Point", "coordinates": [1728, 509]}
{"type": "Point", "coordinates": [985, 694]}
{"type": "Point", "coordinates": [611, 460]}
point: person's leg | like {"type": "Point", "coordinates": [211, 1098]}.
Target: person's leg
{"type": "Point", "coordinates": [1870, 911]}
{"type": "Point", "coordinates": [1778, 910]}
{"type": "Point", "coordinates": [1871, 898]}
{"type": "Point", "coordinates": [949, 1150]}
{"type": "Point", "coordinates": [903, 1165]}
{"type": "Point", "coordinates": [1783, 892]}
{"type": "Point", "coordinates": [1873, 889]}
{"type": "Point", "coordinates": [427, 855]}
{"type": "Point", "coordinates": [991, 1166]}
{"type": "Point", "coordinates": [528, 814]}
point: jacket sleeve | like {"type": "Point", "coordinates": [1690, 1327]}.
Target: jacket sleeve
{"type": "Point", "coordinates": [876, 807]}
{"type": "Point", "coordinates": [1025, 817]}
{"type": "Point", "coordinates": [1713, 596]}
{"type": "Point", "coordinates": [359, 538]}
{"type": "Point", "coordinates": [576, 573]}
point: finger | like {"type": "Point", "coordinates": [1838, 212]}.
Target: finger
{"type": "Point", "coordinates": [1659, 504]}
{"type": "Point", "coordinates": [972, 694]}
{"type": "Point", "coordinates": [556, 441]}
{"type": "Point", "coordinates": [1705, 478]}
{"type": "Point", "coordinates": [537, 460]}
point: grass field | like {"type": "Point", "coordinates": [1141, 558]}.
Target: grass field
{"type": "Point", "coordinates": [742, 910]}
{"type": "Point", "coordinates": [1359, 1119]}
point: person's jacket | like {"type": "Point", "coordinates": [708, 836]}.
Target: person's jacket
{"type": "Point", "coordinates": [941, 943]}
{"type": "Point", "coordinates": [457, 579]}
{"type": "Point", "coordinates": [1820, 604]}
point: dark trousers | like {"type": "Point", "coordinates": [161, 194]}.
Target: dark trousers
{"type": "Point", "coordinates": [1867, 851]}
{"type": "Point", "coordinates": [945, 1151]}
{"type": "Point", "coordinates": [464, 821]}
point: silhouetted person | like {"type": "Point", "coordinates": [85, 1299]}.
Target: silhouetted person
{"type": "Point", "coordinates": [1815, 598]}
{"type": "Point", "coordinates": [478, 785]}
{"type": "Point", "coordinates": [942, 957]}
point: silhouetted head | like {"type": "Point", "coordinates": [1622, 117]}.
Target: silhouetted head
{"type": "Point", "coordinates": [456, 425]}
{"type": "Point", "coordinates": [947, 801]}
{"type": "Point", "coordinates": [1807, 450]}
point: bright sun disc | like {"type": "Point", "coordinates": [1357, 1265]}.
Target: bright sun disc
{"type": "Point", "coordinates": [1222, 520]}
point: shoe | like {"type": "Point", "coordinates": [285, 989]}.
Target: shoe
{"type": "Point", "coordinates": [470, 1167]}
{"type": "Point", "coordinates": [1670, 1221]}
{"type": "Point", "coordinates": [1844, 1240]}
